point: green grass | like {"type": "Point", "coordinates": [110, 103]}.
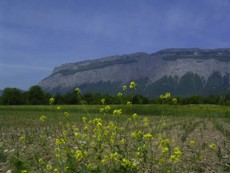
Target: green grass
{"type": "Point", "coordinates": [150, 110]}
{"type": "Point", "coordinates": [28, 115]}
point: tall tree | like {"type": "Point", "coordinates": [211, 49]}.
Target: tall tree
{"type": "Point", "coordinates": [12, 96]}
{"type": "Point", "coordinates": [36, 96]}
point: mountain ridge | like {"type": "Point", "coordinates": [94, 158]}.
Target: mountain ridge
{"type": "Point", "coordinates": [115, 71]}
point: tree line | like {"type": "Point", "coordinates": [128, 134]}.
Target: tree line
{"type": "Point", "coordinates": [36, 96]}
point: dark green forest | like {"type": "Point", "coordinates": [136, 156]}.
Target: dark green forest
{"type": "Point", "coordinates": [36, 96]}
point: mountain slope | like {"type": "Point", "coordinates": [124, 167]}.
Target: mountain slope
{"type": "Point", "coordinates": [180, 71]}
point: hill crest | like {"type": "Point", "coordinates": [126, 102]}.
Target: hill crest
{"type": "Point", "coordinates": [156, 73]}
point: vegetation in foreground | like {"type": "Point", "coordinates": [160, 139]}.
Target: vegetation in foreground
{"type": "Point", "coordinates": [112, 138]}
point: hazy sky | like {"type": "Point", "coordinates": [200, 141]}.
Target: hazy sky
{"type": "Point", "coordinates": [38, 35]}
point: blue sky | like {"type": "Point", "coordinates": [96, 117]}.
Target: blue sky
{"type": "Point", "coordinates": [38, 35]}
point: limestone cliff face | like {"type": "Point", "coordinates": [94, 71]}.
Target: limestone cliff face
{"type": "Point", "coordinates": [125, 68]}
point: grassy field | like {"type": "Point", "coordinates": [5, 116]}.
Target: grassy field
{"type": "Point", "coordinates": [115, 138]}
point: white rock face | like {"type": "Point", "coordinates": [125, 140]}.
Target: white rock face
{"type": "Point", "coordinates": [174, 62]}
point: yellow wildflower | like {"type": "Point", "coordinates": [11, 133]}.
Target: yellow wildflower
{"type": "Point", "coordinates": [136, 134]}
{"type": "Point", "coordinates": [148, 137]}
{"type": "Point", "coordinates": [99, 124]}
{"type": "Point", "coordinates": [60, 141]}
{"type": "Point", "coordinates": [56, 170]}
{"type": "Point", "coordinates": [138, 153]}
{"type": "Point", "coordinates": [132, 85]}
{"type": "Point", "coordinates": [122, 142]}
{"type": "Point", "coordinates": [76, 135]}
{"type": "Point", "coordinates": [42, 118]}
{"type": "Point", "coordinates": [126, 162]}
{"type": "Point", "coordinates": [174, 100]}
{"type": "Point", "coordinates": [79, 155]}
{"type": "Point", "coordinates": [104, 160]}
{"type": "Point", "coordinates": [146, 122]}
{"type": "Point", "coordinates": [57, 155]}
{"type": "Point", "coordinates": [192, 142]}
{"type": "Point", "coordinates": [177, 151]}
{"type": "Point", "coordinates": [119, 94]}
{"type": "Point", "coordinates": [162, 96]}
{"type": "Point", "coordinates": [57, 150]}
{"type": "Point", "coordinates": [78, 90]}
{"type": "Point", "coordinates": [40, 161]}
{"type": "Point", "coordinates": [48, 167]}
{"type": "Point", "coordinates": [102, 110]}
{"type": "Point", "coordinates": [161, 161]}
{"type": "Point", "coordinates": [64, 132]}
{"type": "Point", "coordinates": [22, 138]}
{"type": "Point", "coordinates": [175, 157]}
{"type": "Point", "coordinates": [212, 146]}
{"type": "Point", "coordinates": [86, 127]}
{"type": "Point", "coordinates": [134, 116]}
{"type": "Point", "coordinates": [66, 114]}
{"type": "Point", "coordinates": [114, 156]}
{"type": "Point", "coordinates": [117, 112]}
{"type": "Point", "coordinates": [107, 108]}
{"type": "Point", "coordinates": [91, 166]}
{"type": "Point", "coordinates": [167, 95]}
{"type": "Point", "coordinates": [51, 100]}
{"type": "Point", "coordinates": [164, 149]}
{"type": "Point", "coordinates": [103, 101]}
{"type": "Point", "coordinates": [134, 165]}
{"type": "Point", "coordinates": [129, 103]}
{"type": "Point", "coordinates": [84, 119]}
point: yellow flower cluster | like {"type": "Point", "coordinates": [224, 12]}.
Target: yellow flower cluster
{"type": "Point", "coordinates": [166, 96]}
{"type": "Point", "coordinates": [60, 141]}
{"type": "Point", "coordinates": [114, 157]}
{"type": "Point", "coordinates": [102, 145]}
{"type": "Point", "coordinates": [48, 167]}
{"type": "Point", "coordinates": [148, 137]}
{"type": "Point", "coordinates": [136, 134]}
{"type": "Point", "coordinates": [66, 114]}
{"type": "Point", "coordinates": [79, 155]}
{"type": "Point", "coordinates": [51, 100]}
{"type": "Point", "coordinates": [132, 85]}
{"type": "Point", "coordinates": [129, 103]}
{"type": "Point", "coordinates": [176, 156]}
{"type": "Point", "coordinates": [78, 90]}
{"type": "Point", "coordinates": [117, 112]}
{"type": "Point", "coordinates": [119, 94]}
{"type": "Point", "coordinates": [105, 109]}
{"type": "Point", "coordinates": [192, 143]}
{"type": "Point", "coordinates": [163, 143]}
{"type": "Point", "coordinates": [103, 101]}
{"type": "Point", "coordinates": [22, 138]}
{"type": "Point", "coordinates": [134, 116]}
{"type": "Point", "coordinates": [174, 100]}
{"type": "Point", "coordinates": [42, 118]}
{"type": "Point", "coordinates": [145, 122]}
{"type": "Point", "coordinates": [212, 146]}
{"type": "Point", "coordinates": [167, 99]}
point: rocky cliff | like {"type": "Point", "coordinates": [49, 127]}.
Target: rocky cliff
{"type": "Point", "coordinates": [180, 71]}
